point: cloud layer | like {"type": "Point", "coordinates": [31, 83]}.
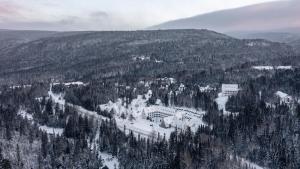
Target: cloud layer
{"type": "Point", "coordinates": [272, 16]}
{"type": "Point", "coordinates": [102, 15]}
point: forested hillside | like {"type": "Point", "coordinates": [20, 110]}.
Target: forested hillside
{"type": "Point", "coordinates": [143, 53]}
{"type": "Point", "coordinates": [45, 131]}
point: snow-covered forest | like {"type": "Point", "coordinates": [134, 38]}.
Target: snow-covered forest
{"type": "Point", "coordinates": [173, 100]}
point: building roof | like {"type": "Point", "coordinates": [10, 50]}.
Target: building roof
{"type": "Point", "coordinates": [281, 94]}
{"type": "Point", "coordinates": [231, 87]}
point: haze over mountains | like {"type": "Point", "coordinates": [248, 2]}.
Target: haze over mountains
{"type": "Point", "coordinates": [278, 16]}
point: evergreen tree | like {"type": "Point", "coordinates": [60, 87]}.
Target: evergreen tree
{"type": "Point", "coordinates": [44, 145]}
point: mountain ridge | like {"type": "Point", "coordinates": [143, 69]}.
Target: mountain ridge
{"type": "Point", "coordinates": [147, 53]}
{"type": "Point", "coordinates": [249, 18]}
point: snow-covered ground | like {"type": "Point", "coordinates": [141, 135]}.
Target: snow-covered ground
{"type": "Point", "coordinates": [158, 61]}
{"type": "Point", "coordinates": [19, 86]}
{"type": "Point", "coordinates": [59, 98]}
{"type": "Point", "coordinates": [108, 160]}
{"type": "Point", "coordinates": [78, 83]}
{"type": "Point", "coordinates": [138, 111]}
{"type": "Point", "coordinates": [206, 88]}
{"type": "Point", "coordinates": [24, 114]}
{"type": "Point", "coordinates": [261, 44]}
{"type": "Point", "coordinates": [272, 67]}
{"type": "Point", "coordinates": [51, 130]}
{"type": "Point", "coordinates": [248, 163]}
{"type": "Point", "coordinates": [144, 128]}
{"type": "Point", "coordinates": [221, 101]}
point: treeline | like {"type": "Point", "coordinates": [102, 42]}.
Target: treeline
{"type": "Point", "coordinates": [84, 138]}
{"type": "Point", "coordinates": [184, 149]}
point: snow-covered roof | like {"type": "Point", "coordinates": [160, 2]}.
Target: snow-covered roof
{"type": "Point", "coordinates": [281, 94]}
{"type": "Point", "coordinates": [206, 88]}
{"type": "Point", "coordinates": [272, 67]}
{"type": "Point", "coordinates": [231, 87]}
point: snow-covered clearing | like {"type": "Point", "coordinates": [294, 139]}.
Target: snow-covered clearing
{"type": "Point", "coordinates": [108, 160]}
{"type": "Point", "coordinates": [24, 114]}
{"type": "Point", "coordinates": [144, 128]}
{"type": "Point", "coordinates": [51, 130]}
{"type": "Point", "coordinates": [59, 98]}
{"type": "Point", "coordinates": [206, 88]}
{"type": "Point", "coordinates": [250, 164]}
{"type": "Point", "coordinates": [158, 61]}
{"type": "Point", "coordinates": [78, 83]}
{"type": "Point", "coordinates": [139, 113]}
{"type": "Point", "coordinates": [272, 67]}
{"type": "Point", "coordinates": [221, 101]}
{"type": "Point", "coordinates": [247, 163]}
{"type": "Point", "coordinates": [19, 86]}
{"type": "Point", "coordinates": [261, 44]}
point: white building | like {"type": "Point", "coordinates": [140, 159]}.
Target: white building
{"type": "Point", "coordinates": [230, 89]}
{"type": "Point", "coordinates": [284, 98]}
{"type": "Point", "coordinates": [157, 115]}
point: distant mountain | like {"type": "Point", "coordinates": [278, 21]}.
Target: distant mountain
{"type": "Point", "coordinates": [80, 55]}
{"type": "Point", "coordinates": [11, 38]}
{"type": "Point", "coordinates": [278, 16]}
{"type": "Point", "coordinates": [284, 37]}
{"type": "Point", "coordinates": [292, 39]}
{"type": "Point", "coordinates": [296, 45]}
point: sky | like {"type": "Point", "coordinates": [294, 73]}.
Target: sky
{"type": "Point", "coordinates": [66, 15]}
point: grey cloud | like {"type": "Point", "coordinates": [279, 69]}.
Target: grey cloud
{"type": "Point", "coordinates": [69, 20]}
{"type": "Point", "coordinates": [99, 14]}
{"type": "Point", "coordinates": [93, 21]}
